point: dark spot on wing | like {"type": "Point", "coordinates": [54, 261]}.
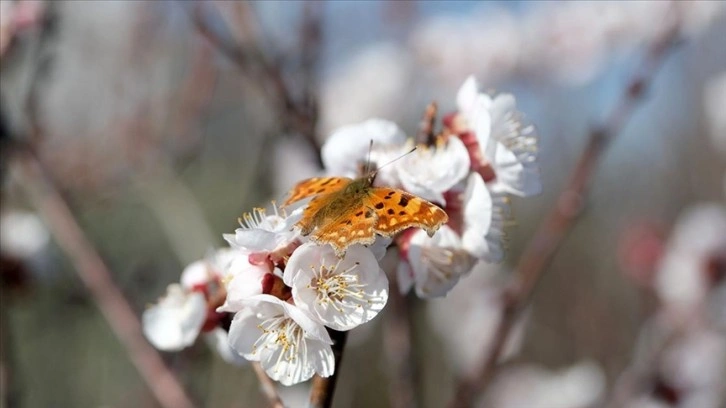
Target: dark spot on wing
{"type": "Point", "coordinates": [320, 191]}
{"type": "Point", "coordinates": [379, 206]}
{"type": "Point", "coordinates": [402, 213]}
{"type": "Point", "coordinates": [326, 182]}
{"type": "Point", "coordinates": [390, 211]}
{"type": "Point", "coordinates": [403, 202]}
{"type": "Point", "coordinates": [369, 214]}
{"type": "Point", "coordinates": [359, 213]}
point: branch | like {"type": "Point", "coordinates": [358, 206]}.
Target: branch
{"type": "Point", "coordinates": [321, 395]}
{"type": "Point", "coordinates": [300, 117]}
{"type": "Point", "coordinates": [557, 224]}
{"type": "Point", "coordinates": [267, 386]}
{"type": "Point", "coordinates": [97, 278]}
{"type": "Point", "coordinates": [398, 348]}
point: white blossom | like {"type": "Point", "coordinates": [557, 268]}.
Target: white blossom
{"type": "Point", "coordinates": [22, 234]}
{"type": "Point", "coordinates": [176, 321]}
{"type": "Point", "coordinates": [428, 172]}
{"type": "Point", "coordinates": [505, 142]}
{"type": "Point", "coordinates": [433, 265]}
{"type": "Point", "coordinates": [289, 345]}
{"type": "Point", "coordinates": [695, 365]}
{"type": "Point", "coordinates": [348, 149]}
{"type": "Point", "coordinates": [683, 280]}
{"type": "Point", "coordinates": [579, 386]}
{"type": "Point", "coordinates": [342, 293]}
{"type": "Point", "coordinates": [263, 233]}
{"type": "Point", "coordinates": [244, 279]}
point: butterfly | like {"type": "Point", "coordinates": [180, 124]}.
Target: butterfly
{"type": "Point", "coordinates": [347, 211]}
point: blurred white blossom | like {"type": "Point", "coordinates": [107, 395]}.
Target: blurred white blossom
{"type": "Point", "coordinates": [685, 276]}
{"type": "Point", "coordinates": [486, 41]}
{"type": "Point", "coordinates": [176, 321]}
{"type": "Point", "coordinates": [372, 83]}
{"type": "Point", "coordinates": [579, 386]}
{"type": "Point", "coordinates": [22, 234]}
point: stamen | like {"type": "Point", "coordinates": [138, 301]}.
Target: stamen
{"type": "Point", "coordinates": [341, 290]}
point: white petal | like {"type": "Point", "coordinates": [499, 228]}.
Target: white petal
{"type": "Point", "coordinates": [175, 322]}
{"type": "Point", "coordinates": [348, 146]}
{"type": "Point", "coordinates": [512, 149]}
{"type": "Point", "coordinates": [466, 95]}
{"type": "Point", "coordinates": [404, 274]}
{"type": "Point", "coordinates": [437, 262]}
{"type": "Point", "coordinates": [322, 358]}
{"type": "Point", "coordinates": [429, 172]}
{"type": "Point", "coordinates": [196, 273]}
{"type": "Point", "coordinates": [483, 221]}
{"type": "Point", "coordinates": [218, 339]}
{"type": "Point", "coordinates": [244, 333]}
{"type": "Point", "coordinates": [380, 246]}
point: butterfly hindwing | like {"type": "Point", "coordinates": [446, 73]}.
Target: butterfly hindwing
{"type": "Point", "coordinates": [348, 229]}
{"type": "Point", "coordinates": [398, 210]}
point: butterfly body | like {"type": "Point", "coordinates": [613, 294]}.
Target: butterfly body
{"type": "Point", "coordinates": [346, 211]}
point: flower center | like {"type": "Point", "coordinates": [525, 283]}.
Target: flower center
{"type": "Point", "coordinates": [283, 334]}
{"type": "Point", "coordinates": [339, 289]}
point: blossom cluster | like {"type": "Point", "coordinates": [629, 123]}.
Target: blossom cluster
{"type": "Point", "coordinates": [273, 295]}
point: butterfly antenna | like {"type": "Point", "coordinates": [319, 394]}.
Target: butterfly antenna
{"type": "Point", "coordinates": [397, 158]}
{"type": "Point", "coordinates": [367, 168]}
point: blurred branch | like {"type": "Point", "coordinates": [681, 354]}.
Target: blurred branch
{"type": "Point", "coordinates": [397, 343]}
{"type": "Point", "coordinates": [321, 394]}
{"type": "Point", "coordinates": [177, 210]}
{"type": "Point", "coordinates": [267, 386]}
{"type": "Point", "coordinates": [558, 223]}
{"type": "Point", "coordinates": [296, 117]}
{"type": "Point", "coordinates": [98, 280]}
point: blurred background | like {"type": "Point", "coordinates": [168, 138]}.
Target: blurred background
{"type": "Point", "coordinates": [160, 122]}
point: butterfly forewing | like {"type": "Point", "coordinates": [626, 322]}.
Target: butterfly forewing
{"type": "Point", "coordinates": [315, 186]}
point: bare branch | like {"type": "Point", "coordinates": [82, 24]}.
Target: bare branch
{"type": "Point", "coordinates": [267, 386]}
{"type": "Point", "coordinates": [558, 223]}
{"type": "Point", "coordinates": [98, 280]}
{"type": "Point", "coordinates": [321, 395]}
{"type": "Point", "coordinates": [399, 355]}
{"type": "Point", "coordinates": [296, 117]}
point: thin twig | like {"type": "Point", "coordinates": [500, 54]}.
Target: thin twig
{"type": "Point", "coordinates": [552, 232]}
{"type": "Point", "coordinates": [97, 278]}
{"type": "Point", "coordinates": [321, 394]}
{"type": "Point", "coordinates": [267, 386]}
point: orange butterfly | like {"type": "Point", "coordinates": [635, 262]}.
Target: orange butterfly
{"type": "Point", "coordinates": [346, 211]}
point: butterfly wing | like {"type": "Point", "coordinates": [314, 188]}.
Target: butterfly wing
{"type": "Point", "coordinates": [356, 227]}
{"type": "Point", "coordinates": [398, 210]}
{"type": "Point", "coordinates": [316, 186]}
